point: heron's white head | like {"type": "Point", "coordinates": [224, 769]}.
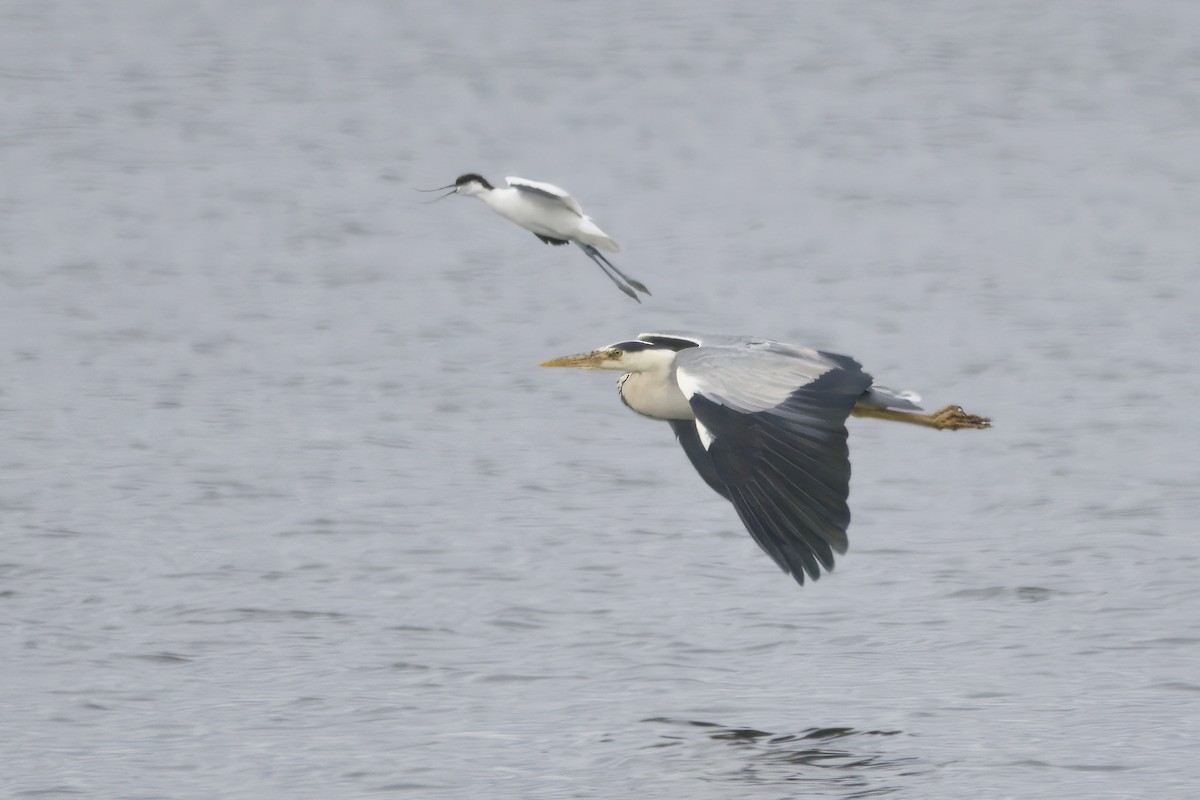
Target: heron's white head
{"type": "Point", "coordinates": [633, 356]}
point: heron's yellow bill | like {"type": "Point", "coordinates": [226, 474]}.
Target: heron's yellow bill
{"type": "Point", "coordinates": [582, 360]}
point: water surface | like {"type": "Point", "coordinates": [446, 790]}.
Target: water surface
{"type": "Point", "coordinates": [289, 511]}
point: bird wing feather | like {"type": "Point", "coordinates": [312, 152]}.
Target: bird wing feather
{"type": "Point", "coordinates": [770, 429]}
{"type": "Point", "coordinates": [546, 190]}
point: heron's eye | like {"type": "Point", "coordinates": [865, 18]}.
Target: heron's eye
{"type": "Point", "coordinates": [614, 354]}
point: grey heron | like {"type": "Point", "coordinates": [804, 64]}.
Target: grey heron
{"type": "Point", "coordinates": [764, 423]}
{"type": "Point", "coordinates": [551, 215]}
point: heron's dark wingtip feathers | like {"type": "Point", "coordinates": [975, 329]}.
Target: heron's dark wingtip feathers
{"type": "Point", "coordinates": [797, 534]}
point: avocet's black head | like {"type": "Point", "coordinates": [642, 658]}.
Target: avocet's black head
{"type": "Point", "coordinates": [472, 177]}
{"type": "Point", "coordinates": [469, 185]}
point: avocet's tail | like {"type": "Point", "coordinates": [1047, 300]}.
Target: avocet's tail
{"type": "Point", "coordinates": [589, 232]}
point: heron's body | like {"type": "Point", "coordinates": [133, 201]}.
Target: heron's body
{"type": "Point", "coordinates": [763, 422]}
{"type": "Point", "coordinates": [552, 215]}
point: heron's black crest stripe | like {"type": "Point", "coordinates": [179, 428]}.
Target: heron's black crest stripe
{"type": "Point", "coordinates": [551, 240]}
{"type": "Point", "coordinates": [471, 176]}
{"type": "Point", "coordinates": [669, 342]}
{"type": "Point", "coordinates": [634, 346]}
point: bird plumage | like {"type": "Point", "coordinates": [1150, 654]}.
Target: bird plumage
{"type": "Point", "coordinates": [547, 211]}
{"type": "Point", "coordinates": [764, 423]}
{"type": "Point", "coordinates": [552, 215]}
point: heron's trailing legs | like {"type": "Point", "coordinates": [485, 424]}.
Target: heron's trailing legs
{"type": "Point", "coordinates": [950, 418]}
{"type": "Point", "coordinates": [623, 281]}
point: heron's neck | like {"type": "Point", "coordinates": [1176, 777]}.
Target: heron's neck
{"type": "Point", "coordinates": [654, 394]}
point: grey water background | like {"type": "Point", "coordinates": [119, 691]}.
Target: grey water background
{"type": "Point", "coordinates": [288, 510]}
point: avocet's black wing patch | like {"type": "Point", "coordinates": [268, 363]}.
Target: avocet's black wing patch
{"type": "Point", "coordinates": [547, 191]}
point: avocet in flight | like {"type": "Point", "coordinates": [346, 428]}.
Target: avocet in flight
{"type": "Point", "coordinates": [764, 423]}
{"type": "Point", "coordinates": [551, 215]}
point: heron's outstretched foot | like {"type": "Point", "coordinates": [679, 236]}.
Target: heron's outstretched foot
{"type": "Point", "coordinates": [952, 418]}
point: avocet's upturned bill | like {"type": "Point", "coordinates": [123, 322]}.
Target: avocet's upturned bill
{"type": "Point", "coordinates": [764, 423]}
{"type": "Point", "coordinates": [550, 214]}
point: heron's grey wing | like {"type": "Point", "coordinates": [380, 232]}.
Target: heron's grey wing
{"type": "Point", "coordinates": [546, 191]}
{"type": "Point", "coordinates": [746, 345]}
{"type": "Point", "coordinates": [771, 423]}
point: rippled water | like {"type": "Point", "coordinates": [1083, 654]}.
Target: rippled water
{"type": "Point", "coordinates": [289, 511]}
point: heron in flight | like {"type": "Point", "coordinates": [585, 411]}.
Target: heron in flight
{"type": "Point", "coordinates": [764, 423]}
{"type": "Point", "coordinates": [551, 215]}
